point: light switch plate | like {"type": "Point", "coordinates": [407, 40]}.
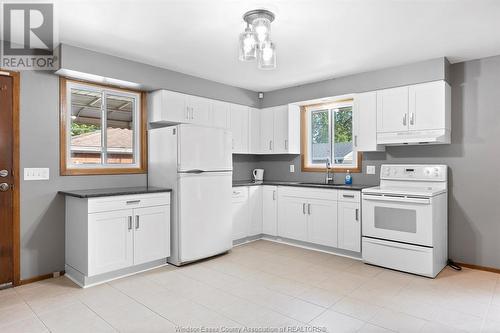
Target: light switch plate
{"type": "Point", "coordinates": [36, 173]}
{"type": "Point", "coordinates": [292, 168]}
{"type": "Point", "coordinates": [370, 169]}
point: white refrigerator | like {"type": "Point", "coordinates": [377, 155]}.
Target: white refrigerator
{"type": "Point", "coordinates": [196, 162]}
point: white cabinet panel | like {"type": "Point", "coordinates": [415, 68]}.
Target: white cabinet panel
{"type": "Point", "coordinates": [427, 109]}
{"type": "Point", "coordinates": [151, 234]}
{"type": "Point", "coordinates": [198, 110]}
{"type": "Point", "coordinates": [365, 122]}
{"type": "Point", "coordinates": [392, 110]}
{"type": "Point", "coordinates": [292, 218]}
{"type": "Point", "coordinates": [110, 241]}
{"type": "Point", "coordinates": [220, 114]}
{"type": "Point", "coordinates": [349, 229]}
{"type": "Point", "coordinates": [241, 216]}
{"type": "Point", "coordinates": [269, 210]}
{"type": "Point", "coordinates": [239, 128]}
{"type": "Point", "coordinates": [267, 130]}
{"type": "Point", "coordinates": [167, 106]}
{"type": "Point", "coordinates": [254, 131]}
{"type": "Point", "coordinates": [255, 210]}
{"type": "Point", "coordinates": [281, 129]}
{"type": "Point", "coordinates": [322, 222]}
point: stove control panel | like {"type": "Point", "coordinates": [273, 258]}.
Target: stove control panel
{"type": "Point", "coordinates": [424, 172]}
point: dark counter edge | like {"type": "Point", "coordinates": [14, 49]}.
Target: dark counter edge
{"type": "Point", "coordinates": [299, 184]}
{"type": "Point", "coordinates": [108, 192]}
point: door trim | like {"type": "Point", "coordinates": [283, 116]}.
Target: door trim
{"type": "Point", "coordinates": [16, 253]}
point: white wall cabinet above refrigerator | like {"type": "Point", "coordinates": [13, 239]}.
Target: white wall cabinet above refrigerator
{"type": "Point", "coordinates": [416, 114]}
{"type": "Point", "coordinates": [170, 107]}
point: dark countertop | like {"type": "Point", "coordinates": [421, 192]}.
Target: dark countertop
{"type": "Point", "coordinates": [108, 192]}
{"type": "Point", "coordinates": [301, 184]}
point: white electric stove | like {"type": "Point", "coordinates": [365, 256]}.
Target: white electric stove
{"type": "Point", "coordinates": [405, 219]}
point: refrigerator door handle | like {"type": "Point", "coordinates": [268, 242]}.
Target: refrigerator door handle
{"type": "Point", "coordinates": [195, 171]}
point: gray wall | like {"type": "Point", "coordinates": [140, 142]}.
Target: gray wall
{"type": "Point", "coordinates": [425, 71]}
{"type": "Point", "coordinates": [42, 209]}
{"type": "Point", "coordinates": [150, 77]}
{"type": "Point", "coordinates": [472, 157]}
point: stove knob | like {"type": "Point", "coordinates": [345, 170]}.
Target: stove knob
{"type": "Point", "coordinates": [427, 172]}
{"type": "Point", "coordinates": [387, 171]}
{"type": "Point", "coordinates": [436, 172]}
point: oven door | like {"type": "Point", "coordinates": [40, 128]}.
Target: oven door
{"type": "Point", "coordinates": [398, 218]}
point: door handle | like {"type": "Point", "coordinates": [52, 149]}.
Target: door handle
{"type": "Point", "coordinates": [348, 196]}
{"type": "Point", "coordinates": [4, 173]}
{"type": "Point", "coordinates": [131, 202]}
{"type": "Point", "coordinates": [4, 187]}
{"type": "Point", "coordinates": [136, 222]}
{"type": "Point", "coordinates": [130, 223]}
{"type": "Point", "coordinates": [412, 118]}
{"type": "Point", "coordinates": [187, 112]}
{"type": "Point", "coordinates": [286, 144]}
{"type": "Point", "coordinates": [270, 144]}
{"type": "Point", "coordinates": [357, 214]}
{"type": "Point", "coordinates": [404, 119]}
{"type": "Point", "coordinates": [274, 195]}
{"type": "Point", "coordinates": [355, 141]}
{"type": "Point", "coordinates": [304, 208]}
{"type": "Point", "coordinates": [309, 209]}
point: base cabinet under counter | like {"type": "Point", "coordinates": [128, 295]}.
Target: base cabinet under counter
{"type": "Point", "coordinates": [109, 237]}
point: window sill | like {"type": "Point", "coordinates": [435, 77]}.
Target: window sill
{"type": "Point", "coordinates": [102, 171]}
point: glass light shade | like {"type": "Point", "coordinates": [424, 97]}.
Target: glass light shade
{"type": "Point", "coordinates": [262, 28]}
{"type": "Point", "coordinates": [267, 56]}
{"type": "Point", "coordinates": [248, 45]}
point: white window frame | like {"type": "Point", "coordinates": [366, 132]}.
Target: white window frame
{"type": "Point", "coordinates": [330, 106]}
{"type": "Point", "coordinates": [136, 120]}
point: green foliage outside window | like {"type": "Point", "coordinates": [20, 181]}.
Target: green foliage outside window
{"type": "Point", "coordinates": [78, 129]}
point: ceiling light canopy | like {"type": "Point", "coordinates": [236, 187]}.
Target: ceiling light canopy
{"type": "Point", "coordinates": [255, 41]}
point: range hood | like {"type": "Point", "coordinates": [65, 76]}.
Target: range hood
{"type": "Point", "coordinates": [437, 136]}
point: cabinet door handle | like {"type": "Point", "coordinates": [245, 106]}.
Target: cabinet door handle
{"type": "Point", "coordinates": [137, 222]}
{"type": "Point", "coordinates": [309, 209]}
{"type": "Point", "coordinates": [270, 145]}
{"type": "Point", "coordinates": [355, 141]}
{"type": "Point", "coordinates": [192, 113]}
{"type": "Point", "coordinates": [304, 208]}
{"type": "Point", "coordinates": [274, 195]}
{"type": "Point", "coordinates": [412, 118]}
{"type": "Point", "coordinates": [131, 202]}
{"type": "Point", "coordinates": [129, 223]}
{"type": "Point", "coordinates": [348, 196]}
{"type": "Point", "coordinates": [187, 112]}
{"type": "Point", "coordinates": [286, 144]}
{"type": "Point", "coordinates": [404, 119]}
{"type": "Point", "coordinates": [357, 214]}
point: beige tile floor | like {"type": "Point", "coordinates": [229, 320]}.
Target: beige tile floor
{"type": "Point", "coordinates": [261, 284]}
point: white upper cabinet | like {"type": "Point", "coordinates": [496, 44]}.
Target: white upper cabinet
{"type": "Point", "coordinates": [220, 114]}
{"type": "Point", "coordinates": [365, 122]}
{"type": "Point", "coordinates": [416, 114]}
{"type": "Point", "coordinates": [266, 130]}
{"type": "Point", "coordinates": [198, 110]}
{"type": "Point", "coordinates": [254, 131]}
{"type": "Point", "coordinates": [428, 107]}
{"type": "Point", "coordinates": [392, 110]}
{"type": "Point", "coordinates": [239, 128]}
{"type": "Point", "coordinates": [167, 107]}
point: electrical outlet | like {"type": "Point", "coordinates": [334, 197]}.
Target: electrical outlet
{"type": "Point", "coordinates": [36, 173]}
{"type": "Point", "coordinates": [370, 169]}
{"type": "Point", "coordinates": [292, 168]}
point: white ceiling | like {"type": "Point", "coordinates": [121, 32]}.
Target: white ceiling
{"type": "Point", "coordinates": [316, 39]}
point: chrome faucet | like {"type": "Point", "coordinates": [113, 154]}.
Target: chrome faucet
{"type": "Point", "coordinates": [328, 178]}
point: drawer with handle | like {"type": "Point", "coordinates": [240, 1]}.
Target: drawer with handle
{"type": "Point", "coordinates": [104, 204]}
{"type": "Point", "coordinates": [349, 195]}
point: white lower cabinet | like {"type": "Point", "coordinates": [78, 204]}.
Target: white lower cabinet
{"type": "Point", "coordinates": [107, 234]}
{"type": "Point", "coordinates": [349, 229]}
{"type": "Point", "coordinates": [255, 208]}
{"type": "Point", "coordinates": [269, 210]}
{"type": "Point", "coordinates": [322, 222]}
{"type": "Point", "coordinates": [241, 216]}
{"type": "Point", "coordinates": [292, 214]}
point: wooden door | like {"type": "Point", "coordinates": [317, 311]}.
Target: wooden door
{"type": "Point", "coordinates": [6, 180]}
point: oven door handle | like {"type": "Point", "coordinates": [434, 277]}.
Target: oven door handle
{"type": "Point", "coordinates": [423, 201]}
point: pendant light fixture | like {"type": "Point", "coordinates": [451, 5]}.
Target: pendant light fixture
{"type": "Point", "coordinates": [255, 42]}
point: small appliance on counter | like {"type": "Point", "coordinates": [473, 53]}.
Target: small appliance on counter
{"type": "Point", "coordinates": [405, 219]}
{"type": "Point", "coordinates": [258, 175]}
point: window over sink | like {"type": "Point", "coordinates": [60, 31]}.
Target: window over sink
{"type": "Point", "coordinates": [327, 137]}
